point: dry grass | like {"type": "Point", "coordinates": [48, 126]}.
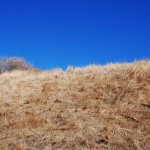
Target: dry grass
{"type": "Point", "coordinates": [86, 108]}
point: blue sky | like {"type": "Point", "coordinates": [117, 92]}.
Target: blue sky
{"type": "Point", "coordinates": [58, 33]}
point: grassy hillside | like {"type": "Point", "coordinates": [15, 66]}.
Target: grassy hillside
{"type": "Point", "coordinates": [95, 107]}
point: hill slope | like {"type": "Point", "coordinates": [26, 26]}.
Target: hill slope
{"type": "Point", "coordinates": [96, 107]}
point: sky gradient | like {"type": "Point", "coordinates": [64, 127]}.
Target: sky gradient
{"type": "Point", "coordinates": [58, 33]}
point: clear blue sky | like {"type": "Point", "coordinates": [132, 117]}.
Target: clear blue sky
{"type": "Point", "coordinates": [58, 33]}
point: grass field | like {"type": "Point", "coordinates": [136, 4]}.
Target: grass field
{"type": "Point", "coordinates": [89, 108]}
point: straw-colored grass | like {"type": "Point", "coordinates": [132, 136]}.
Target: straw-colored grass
{"type": "Point", "coordinates": [90, 108]}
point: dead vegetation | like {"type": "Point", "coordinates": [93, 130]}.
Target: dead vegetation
{"type": "Point", "coordinates": [13, 63]}
{"type": "Point", "coordinates": [95, 107]}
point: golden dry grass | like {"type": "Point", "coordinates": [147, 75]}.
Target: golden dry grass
{"type": "Point", "coordinates": [95, 107]}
